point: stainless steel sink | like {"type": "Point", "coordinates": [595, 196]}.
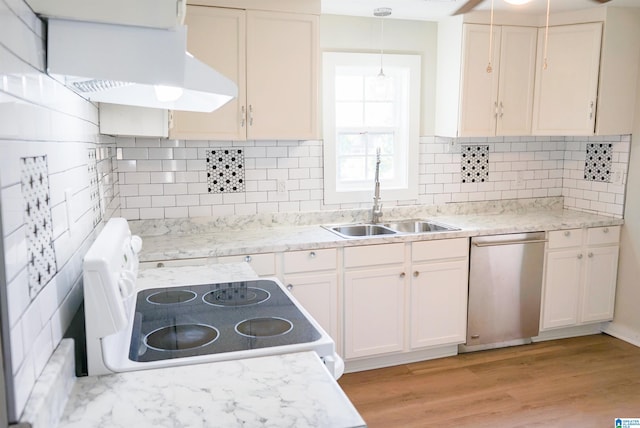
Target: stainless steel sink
{"type": "Point", "coordinates": [361, 230]}
{"type": "Point", "coordinates": [399, 227]}
{"type": "Point", "coordinates": [418, 226]}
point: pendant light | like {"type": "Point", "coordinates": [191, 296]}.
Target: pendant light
{"type": "Point", "coordinates": [381, 12]}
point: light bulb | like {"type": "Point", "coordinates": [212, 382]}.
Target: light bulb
{"type": "Point", "coordinates": [167, 93]}
{"type": "Point", "coordinates": [517, 2]}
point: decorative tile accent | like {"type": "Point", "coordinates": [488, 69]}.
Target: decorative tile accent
{"type": "Point", "coordinates": [37, 209]}
{"type": "Point", "coordinates": [474, 167]}
{"type": "Point", "coordinates": [94, 190]}
{"type": "Point", "coordinates": [225, 170]}
{"type": "Point", "coordinates": [597, 165]}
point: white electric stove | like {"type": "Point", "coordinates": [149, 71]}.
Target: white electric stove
{"type": "Point", "coordinates": [132, 326]}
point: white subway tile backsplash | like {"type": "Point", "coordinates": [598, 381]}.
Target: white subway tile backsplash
{"type": "Point", "coordinates": [148, 190]}
{"type": "Point", "coordinates": [174, 165]}
{"type": "Point", "coordinates": [519, 167]}
{"type": "Point", "coordinates": [176, 212]}
{"type": "Point", "coordinates": [200, 211]}
{"type": "Point", "coordinates": [135, 153]}
{"type": "Point", "coordinates": [151, 213]}
{"type": "Point", "coordinates": [15, 252]}
{"type": "Point", "coordinates": [137, 202]}
{"type": "Point", "coordinates": [148, 165]}
{"type": "Point", "coordinates": [136, 177]}
{"type": "Point", "coordinates": [161, 177]}
{"type": "Point", "coordinates": [130, 213]}
{"type": "Point", "coordinates": [185, 153]}
{"type": "Point", "coordinates": [161, 153]}
{"type": "Point", "coordinates": [163, 201]}
{"type": "Point", "coordinates": [187, 200]}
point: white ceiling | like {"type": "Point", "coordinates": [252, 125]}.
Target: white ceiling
{"type": "Point", "coordinates": [433, 10]}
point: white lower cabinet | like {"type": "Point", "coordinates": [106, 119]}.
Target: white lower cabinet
{"type": "Point", "coordinates": [374, 300]}
{"type": "Point", "coordinates": [580, 277]}
{"type": "Point", "coordinates": [312, 278]}
{"type": "Point", "coordinates": [397, 303]}
{"type": "Point", "coordinates": [439, 289]}
{"type": "Point", "coordinates": [439, 303]}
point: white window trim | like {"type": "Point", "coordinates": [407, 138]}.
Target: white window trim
{"type": "Point", "coordinates": [330, 61]}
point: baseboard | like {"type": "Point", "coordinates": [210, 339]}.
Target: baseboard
{"type": "Point", "coordinates": [400, 358]}
{"type": "Point", "coordinates": [564, 333]}
{"type": "Point", "coordinates": [623, 332]}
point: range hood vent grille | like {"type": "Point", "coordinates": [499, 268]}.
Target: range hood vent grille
{"type": "Point", "coordinates": [96, 85]}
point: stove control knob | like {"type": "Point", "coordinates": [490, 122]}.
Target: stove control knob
{"type": "Point", "coordinates": [247, 259]}
{"type": "Point", "coordinates": [126, 285]}
{"type": "Point", "coordinates": [136, 244]}
{"type": "Point", "coordinates": [289, 287]}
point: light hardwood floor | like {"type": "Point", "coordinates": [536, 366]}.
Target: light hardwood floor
{"type": "Point", "coordinates": [579, 382]}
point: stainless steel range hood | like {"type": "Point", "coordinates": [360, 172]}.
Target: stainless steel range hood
{"type": "Point", "coordinates": [133, 65]}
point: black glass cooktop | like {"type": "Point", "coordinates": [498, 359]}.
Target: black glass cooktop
{"type": "Point", "coordinates": [192, 320]}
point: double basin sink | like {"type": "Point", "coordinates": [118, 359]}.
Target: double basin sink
{"type": "Point", "coordinates": [364, 230]}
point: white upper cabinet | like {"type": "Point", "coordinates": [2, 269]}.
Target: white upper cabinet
{"type": "Point", "coordinates": [588, 87]}
{"type": "Point", "coordinates": [273, 57]}
{"type": "Point", "coordinates": [498, 102]}
{"type": "Point", "coordinates": [566, 90]}
{"type": "Point", "coordinates": [282, 75]}
{"type": "Point", "coordinates": [216, 36]}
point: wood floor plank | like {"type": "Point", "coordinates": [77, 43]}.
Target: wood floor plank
{"type": "Point", "coordinates": [586, 381]}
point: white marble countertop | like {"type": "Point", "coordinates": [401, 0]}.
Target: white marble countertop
{"type": "Point", "coordinates": [291, 390]}
{"type": "Point", "coordinates": [265, 239]}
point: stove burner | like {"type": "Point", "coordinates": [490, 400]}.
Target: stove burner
{"type": "Point", "coordinates": [181, 337]}
{"type": "Point", "coordinates": [168, 297]}
{"type": "Point", "coordinates": [264, 327]}
{"type": "Point", "coordinates": [236, 296]}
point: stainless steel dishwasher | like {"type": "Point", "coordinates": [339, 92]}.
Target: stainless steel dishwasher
{"type": "Point", "coordinates": [505, 287]}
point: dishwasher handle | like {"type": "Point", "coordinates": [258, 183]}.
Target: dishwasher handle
{"type": "Point", "coordinates": [520, 241]}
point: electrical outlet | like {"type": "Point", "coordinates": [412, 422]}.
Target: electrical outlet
{"type": "Point", "coordinates": [617, 176]}
{"type": "Point", "coordinates": [282, 186]}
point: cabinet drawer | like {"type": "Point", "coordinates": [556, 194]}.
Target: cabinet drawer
{"type": "Point", "coordinates": [565, 238]}
{"type": "Point", "coordinates": [312, 260]}
{"type": "Point", "coordinates": [200, 261]}
{"type": "Point", "coordinates": [603, 235]}
{"type": "Point", "coordinates": [372, 255]}
{"type": "Point", "coordinates": [439, 249]}
{"type": "Point", "coordinates": [262, 264]}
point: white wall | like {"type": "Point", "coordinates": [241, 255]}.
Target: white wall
{"type": "Point", "coordinates": [355, 34]}
{"type": "Point", "coordinates": [40, 117]}
{"type": "Point", "coordinates": [626, 323]}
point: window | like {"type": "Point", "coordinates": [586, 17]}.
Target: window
{"type": "Point", "coordinates": [363, 112]}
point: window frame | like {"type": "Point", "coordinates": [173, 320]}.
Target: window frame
{"type": "Point", "coordinates": [409, 189]}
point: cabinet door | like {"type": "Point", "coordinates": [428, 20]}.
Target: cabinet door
{"type": "Point", "coordinates": [561, 288]}
{"type": "Point", "coordinates": [282, 67]}
{"type": "Point", "coordinates": [318, 294]}
{"type": "Point", "coordinates": [565, 93]}
{"type": "Point", "coordinates": [600, 284]}
{"type": "Point", "coordinates": [517, 76]}
{"type": "Point", "coordinates": [216, 36]}
{"type": "Point", "coordinates": [374, 311]}
{"type": "Point", "coordinates": [479, 88]}
{"type": "Point", "coordinates": [439, 303]}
